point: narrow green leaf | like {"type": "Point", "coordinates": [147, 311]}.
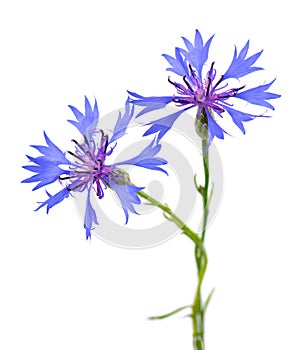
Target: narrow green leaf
{"type": "Point", "coordinates": [168, 217]}
{"type": "Point", "coordinates": [199, 188]}
{"type": "Point", "coordinates": [169, 314]}
{"type": "Point", "coordinates": [208, 300]}
{"type": "Point", "coordinates": [211, 194]}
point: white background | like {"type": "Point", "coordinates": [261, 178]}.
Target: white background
{"type": "Point", "coordinates": [59, 291]}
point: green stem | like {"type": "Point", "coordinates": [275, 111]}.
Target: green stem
{"type": "Point", "coordinates": [205, 190]}
{"type": "Point", "coordinates": [201, 260]}
{"type": "Point", "coordinates": [198, 308]}
{"type": "Point", "coordinates": [174, 218]}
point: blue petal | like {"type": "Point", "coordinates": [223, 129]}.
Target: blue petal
{"type": "Point", "coordinates": [127, 195]}
{"type": "Point", "coordinates": [240, 66]}
{"type": "Point", "coordinates": [45, 175]}
{"type": "Point", "coordinates": [51, 152]}
{"type": "Point", "coordinates": [146, 158]}
{"type": "Point", "coordinates": [239, 117]}
{"type": "Point", "coordinates": [43, 161]}
{"type": "Point", "coordinates": [151, 103]}
{"type": "Point", "coordinates": [258, 95]}
{"type": "Point", "coordinates": [90, 216]}
{"type": "Point", "coordinates": [43, 164]}
{"type": "Point", "coordinates": [214, 129]}
{"type": "Point", "coordinates": [153, 164]}
{"type": "Point", "coordinates": [86, 123]}
{"type": "Point", "coordinates": [197, 54]}
{"type": "Point", "coordinates": [163, 125]}
{"type": "Point", "coordinates": [122, 122]}
{"type": "Point", "coordinates": [179, 64]}
{"type": "Point", "coordinates": [46, 167]}
{"type": "Point", "coordinates": [55, 199]}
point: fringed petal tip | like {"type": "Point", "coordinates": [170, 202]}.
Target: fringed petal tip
{"type": "Point", "coordinates": [87, 122]}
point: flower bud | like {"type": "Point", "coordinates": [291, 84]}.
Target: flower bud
{"type": "Point", "coordinates": [201, 128]}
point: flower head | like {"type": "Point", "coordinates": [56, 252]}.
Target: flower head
{"type": "Point", "coordinates": [208, 92]}
{"type": "Point", "coordinates": [88, 167]}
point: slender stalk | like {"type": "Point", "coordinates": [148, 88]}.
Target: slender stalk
{"type": "Point", "coordinates": [205, 190]}
{"type": "Point", "coordinates": [174, 218]}
{"type": "Point", "coordinates": [198, 307]}
{"type": "Point", "coordinates": [201, 260]}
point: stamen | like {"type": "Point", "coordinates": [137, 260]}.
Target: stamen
{"type": "Point", "coordinates": [170, 81]}
{"type": "Point", "coordinates": [65, 177]}
{"type": "Point", "coordinates": [210, 78]}
{"type": "Point", "coordinates": [104, 182]}
{"type": "Point", "coordinates": [81, 172]}
{"type": "Point", "coordinates": [230, 93]}
{"type": "Point", "coordinates": [86, 140]}
{"type": "Point", "coordinates": [187, 83]}
{"type": "Point", "coordinates": [219, 109]}
{"type": "Point", "coordinates": [240, 88]}
{"type": "Point", "coordinates": [110, 150]}
{"type": "Point", "coordinates": [77, 144]}
{"type": "Point", "coordinates": [208, 86]}
{"type": "Point", "coordinates": [218, 82]}
{"type": "Point", "coordinates": [102, 133]}
{"type": "Point", "coordinates": [106, 143]}
{"type": "Point", "coordinates": [75, 187]}
{"type": "Point", "coordinates": [90, 154]}
{"type": "Point", "coordinates": [76, 156]}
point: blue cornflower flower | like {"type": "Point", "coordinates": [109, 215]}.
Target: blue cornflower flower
{"type": "Point", "coordinates": [209, 93]}
{"type": "Point", "coordinates": [89, 168]}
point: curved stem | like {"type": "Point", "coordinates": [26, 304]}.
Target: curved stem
{"type": "Point", "coordinates": [198, 309]}
{"type": "Point", "coordinates": [174, 218]}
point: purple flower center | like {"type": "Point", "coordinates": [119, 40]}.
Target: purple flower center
{"type": "Point", "coordinates": [89, 165]}
{"type": "Point", "coordinates": [203, 94]}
